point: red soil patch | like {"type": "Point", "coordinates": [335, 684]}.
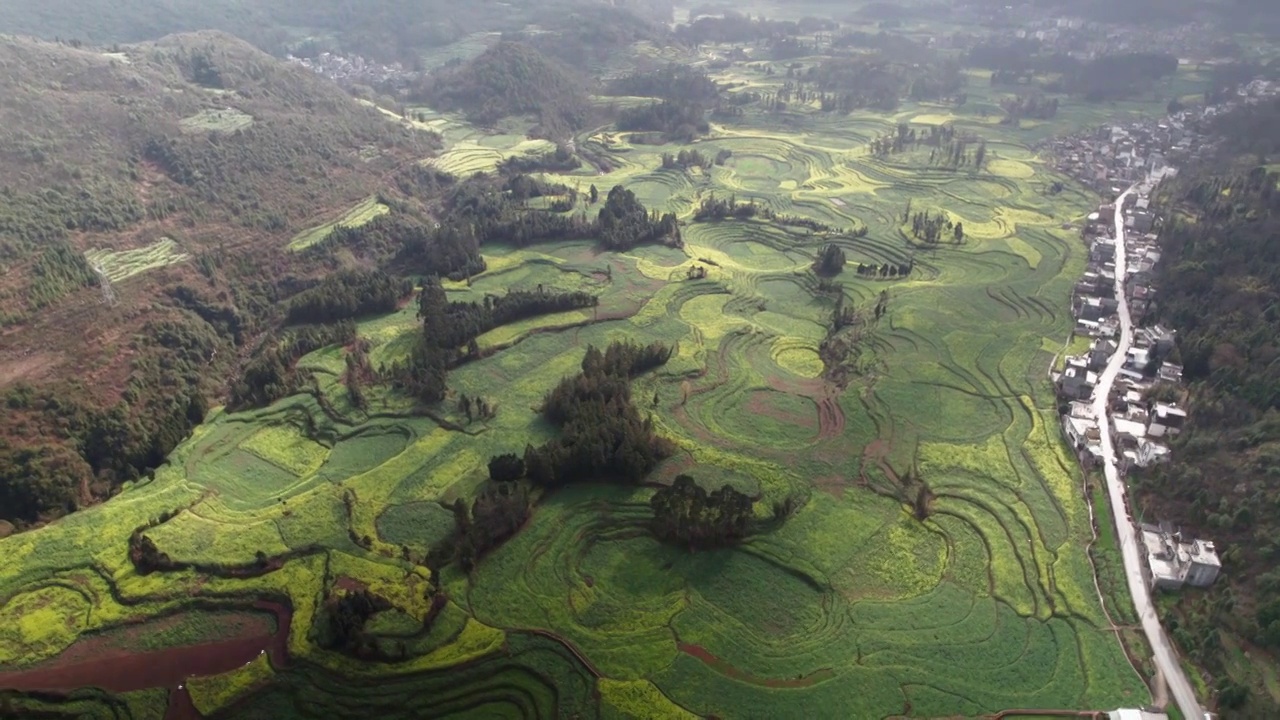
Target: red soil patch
{"type": "Point", "coordinates": [28, 366]}
{"type": "Point", "coordinates": [124, 671]}
{"type": "Point", "coordinates": [724, 668]}
{"type": "Point", "coordinates": [761, 403]}
{"type": "Point", "coordinates": [832, 485]}
{"type": "Point", "coordinates": [830, 418]}
{"type": "Point", "coordinates": [349, 584]}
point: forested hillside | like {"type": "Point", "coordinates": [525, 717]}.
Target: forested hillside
{"type": "Point", "coordinates": [182, 167]}
{"type": "Point", "coordinates": [1218, 286]}
{"type": "Point", "coordinates": [510, 79]}
{"type": "Point", "coordinates": [385, 30]}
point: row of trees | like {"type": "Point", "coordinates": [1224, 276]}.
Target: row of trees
{"type": "Point", "coordinates": [346, 295]}
{"type": "Point", "coordinates": [450, 329]}
{"type": "Point", "coordinates": [906, 137]}
{"type": "Point", "coordinates": [692, 158]}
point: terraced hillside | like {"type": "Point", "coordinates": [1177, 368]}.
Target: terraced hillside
{"type": "Point", "coordinates": [936, 565]}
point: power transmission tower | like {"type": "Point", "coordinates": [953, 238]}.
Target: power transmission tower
{"type": "Point", "coordinates": [108, 294]}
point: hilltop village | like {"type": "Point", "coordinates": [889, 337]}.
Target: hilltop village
{"type": "Point", "coordinates": [1144, 408]}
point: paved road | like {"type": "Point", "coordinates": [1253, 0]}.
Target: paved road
{"type": "Point", "coordinates": [1166, 657]}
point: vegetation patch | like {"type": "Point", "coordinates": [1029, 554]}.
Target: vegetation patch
{"type": "Point", "coordinates": [224, 120]}
{"type": "Point", "coordinates": [356, 217]}
{"type": "Point", "coordinates": [118, 265]}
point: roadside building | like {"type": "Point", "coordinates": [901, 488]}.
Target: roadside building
{"type": "Point", "coordinates": [1175, 562]}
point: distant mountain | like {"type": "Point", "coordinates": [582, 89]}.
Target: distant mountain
{"type": "Point", "coordinates": [510, 79]}
{"type": "Point", "coordinates": [181, 169]}
{"type": "Point", "coordinates": [385, 30]}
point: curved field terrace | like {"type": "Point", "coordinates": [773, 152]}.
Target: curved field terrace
{"type": "Point", "coordinates": [855, 607]}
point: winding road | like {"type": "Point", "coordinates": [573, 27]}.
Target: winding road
{"type": "Point", "coordinates": [1166, 658]}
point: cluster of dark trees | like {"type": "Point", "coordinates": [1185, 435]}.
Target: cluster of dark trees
{"type": "Point", "coordinates": [345, 618]}
{"type": "Point", "coordinates": [346, 295]}
{"type": "Point", "coordinates": [676, 120]}
{"type": "Point", "coordinates": [1217, 284]}
{"type": "Point", "coordinates": [58, 270]}
{"type": "Point", "coordinates": [147, 558]}
{"type": "Point", "coordinates": [602, 438]}
{"type": "Point", "coordinates": [485, 209]}
{"type": "Point", "coordinates": [415, 243]}
{"type": "Point", "coordinates": [673, 82]}
{"type": "Point", "coordinates": [685, 514]}
{"type": "Point", "coordinates": [954, 155]}
{"type": "Point", "coordinates": [561, 160]}
{"type": "Point", "coordinates": [602, 435]}
{"type": "Point", "coordinates": [933, 228]}
{"type": "Point", "coordinates": [830, 261]}
{"type": "Point", "coordinates": [497, 513]}
{"type": "Point", "coordinates": [271, 371]}
{"type": "Point", "coordinates": [450, 329]}
{"type": "Point", "coordinates": [873, 81]}
{"type": "Point", "coordinates": [811, 224]}
{"type": "Point", "coordinates": [1108, 77]}
{"type": "Point", "coordinates": [510, 78]}
{"type": "Point", "coordinates": [713, 208]}
{"type": "Point", "coordinates": [1250, 130]}
{"type": "Point", "coordinates": [906, 137]}
{"type": "Point", "coordinates": [623, 222]}
{"type": "Point", "coordinates": [841, 348]}
{"type": "Point", "coordinates": [686, 159]}
{"type": "Point", "coordinates": [1036, 107]}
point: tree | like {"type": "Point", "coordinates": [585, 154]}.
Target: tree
{"type": "Point", "coordinates": [959, 232]}
{"type": "Point", "coordinates": [506, 468]}
{"type": "Point", "coordinates": [683, 512]}
{"type": "Point", "coordinates": [830, 262]}
{"type": "Point", "coordinates": [595, 194]}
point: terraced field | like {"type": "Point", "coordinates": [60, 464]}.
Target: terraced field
{"type": "Point", "coordinates": [357, 216]}
{"type": "Point", "coordinates": [120, 265]}
{"type": "Point", "coordinates": [853, 608]}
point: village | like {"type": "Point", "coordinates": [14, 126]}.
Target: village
{"type": "Point", "coordinates": [1144, 408]}
{"type": "Point", "coordinates": [348, 71]}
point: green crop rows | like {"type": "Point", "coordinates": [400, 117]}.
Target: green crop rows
{"type": "Point", "coordinates": [119, 265]}
{"type": "Point", "coordinates": [357, 216]}
{"type": "Point", "coordinates": [853, 608]}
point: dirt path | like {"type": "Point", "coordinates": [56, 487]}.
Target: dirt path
{"type": "Point", "coordinates": [724, 668]}
{"type": "Point", "coordinates": [830, 418]}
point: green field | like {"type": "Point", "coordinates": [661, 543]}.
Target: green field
{"type": "Point", "coordinates": [120, 265]}
{"type": "Point", "coordinates": [225, 120]}
{"type": "Point", "coordinates": [357, 216]}
{"type": "Point", "coordinates": [853, 608]}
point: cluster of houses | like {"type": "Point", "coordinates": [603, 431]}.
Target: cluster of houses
{"type": "Point", "coordinates": [351, 70]}
{"type": "Point", "coordinates": [1143, 411]}
{"type": "Point", "coordinates": [1113, 157]}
